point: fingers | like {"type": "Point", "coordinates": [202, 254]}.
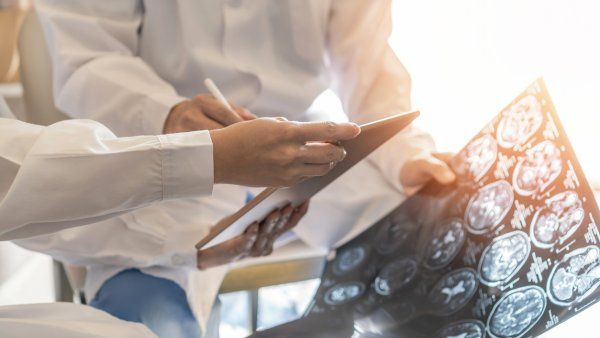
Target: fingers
{"type": "Point", "coordinates": [289, 219]}
{"type": "Point", "coordinates": [327, 131]}
{"type": "Point", "coordinates": [209, 124]}
{"type": "Point", "coordinates": [257, 240]}
{"type": "Point", "coordinates": [222, 115]}
{"type": "Point", "coordinates": [278, 230]}
{"type": "Point", "coordinates": [296, 216]}
{"type": "Point", "coordinates": [321, 153]}
{"type": "Point", "coordinates": [446, 157]}
{"type": "Point", "coordinates": [267, 227]}
{"type": "Point", "coordinates": [313, 170]}
{"type": "Point", "coordinates": [212, 108]}
{"type": "Point", "coordinates": [438, 170]}
{"type": "Point", "coordinates": [244, 113]}
{"type": "Point", "coordinates": [286, 214]}
{"type": "Point", "coordinates": [228, 251]}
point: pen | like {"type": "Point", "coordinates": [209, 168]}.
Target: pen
{"type": "Point", "coordinates": [214, 90]}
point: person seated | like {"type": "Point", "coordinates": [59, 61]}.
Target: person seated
{"type": "Point", "coordinates": [139, 66]}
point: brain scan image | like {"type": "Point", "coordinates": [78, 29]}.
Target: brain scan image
{"type": "Point", "coordinates": [517, 312]}
{"type": "Point", "coordinates": [477, 158]}
{"type": "Point", "coordinates": [448, 238]}
{"type": "Point", "coordinates": [575, 277]}
{"type": "Point", "coordinates": [469, 328]}
{"type": "Point", "coordinates": [511, 249]}
{"type": "Point", "coordinates": [519, 122]}
{"type": "Point", "coordinates": [557, 220]}
{"type": "Point", "coordinates": [393, 234]}
{"type": "Point", "coordinates": [349, 259]}
{"type": "Point", "coordinates": [395, 275]}
{"type": "Point", "coordinates": [343, 293]}
{"type": "Point", "coordinates": [538, 169]}
{"type": "Point", "coordinates": [453, 291]}
{"type": "Point", "coordinates": [488, 207]}
{"type": "Point", "coordinates": [503, 258]}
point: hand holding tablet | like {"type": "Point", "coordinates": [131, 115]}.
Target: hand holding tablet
{"type": "Point", "coordinates": [371, 137]}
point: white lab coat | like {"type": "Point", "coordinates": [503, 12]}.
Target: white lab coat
{"type": "Point", "coordinates": [65, 320]}
{"type": "Point", "coordinates": [125, 63]}
{"type": "Point", "coordinates": [75, 173]}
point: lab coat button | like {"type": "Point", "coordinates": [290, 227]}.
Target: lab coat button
{"type": "Point", "coordinates": [178, 260]}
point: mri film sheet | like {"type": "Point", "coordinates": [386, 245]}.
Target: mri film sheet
{"type": "Point", "coordinates": [510, 250]}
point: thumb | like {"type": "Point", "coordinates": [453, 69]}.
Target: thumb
{"type": "Point", "coordinates": [418, 171]}
{"type": "Point", "coordinates": [438, 169]}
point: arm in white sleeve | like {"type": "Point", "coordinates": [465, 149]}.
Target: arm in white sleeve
{"type": "Point", "coordinates": [77, 172]}
{"type": "Point", "coordinates": [93, 46]}
{"type": "Point", "coordinates": [370, 80]}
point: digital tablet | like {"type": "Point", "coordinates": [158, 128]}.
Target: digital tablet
{"type": "Point", "coordinates": [372, 135]}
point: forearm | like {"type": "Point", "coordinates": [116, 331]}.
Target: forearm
{"type": "Point", "coordinates": [77, 172]}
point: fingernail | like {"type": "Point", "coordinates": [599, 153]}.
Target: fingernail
{"type": "Point", "coordinates": [450, 176]}
{"type": "Point", "coordinates": [272, 224]}
{"type": "Point", "coordinates": [283, 222]}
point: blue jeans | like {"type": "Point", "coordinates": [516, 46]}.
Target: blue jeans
{"type": "Point", "coordinates": [158, 303]}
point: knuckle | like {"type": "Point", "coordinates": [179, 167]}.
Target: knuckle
{"type": "Point", "coordinates": [330, 127]}
{"type": "Point", "coordinates": [202, 97]}
{"type": "Point", "coordinates": [188, 117]}
{"type": "Point", "coordinates": [290, 130]}
{"type": "Point", "coordinates": [290, 155]}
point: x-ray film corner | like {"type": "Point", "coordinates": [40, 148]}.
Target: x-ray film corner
{"type": "Point", "coordinates": [510, 250]}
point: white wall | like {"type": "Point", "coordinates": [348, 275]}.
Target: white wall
{"type": "Point", "coordinates": [469, 58]}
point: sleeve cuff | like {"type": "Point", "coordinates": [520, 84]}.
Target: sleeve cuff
{"type": "Point", "coordinates": [155, 111]}
{"type": "Point", "coordinates": [187, 164]}
{"type": "Point", "coordinates": [391, 156]}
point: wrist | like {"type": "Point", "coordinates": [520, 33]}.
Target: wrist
{"type": "Point", "coordinates": [219, 166]}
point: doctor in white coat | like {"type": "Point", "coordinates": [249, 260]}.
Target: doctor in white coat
{"type": "Point", "coordinates": [138, 67]}
{"type": "Point", "coordinates": [63, 176]}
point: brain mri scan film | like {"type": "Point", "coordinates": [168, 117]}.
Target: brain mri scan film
{"type": "Point", "coordinates": [488, 206]}
{"type": "Point", "coordinates": [350, 259]}
{"type": "Point", "coordinates": [453, 291]}
{"type": "Point", "coordinates": [557, 220]}
{"type": "Point", "coordinates": [394, 233]}
{"type": "Point", "coordinates": [469, 328]}
{"type": "Point", "coordinates": [447, 240]}
{"type": "Point", "coordinates": [519, 122]}
{"type": "Point", "coordinates": [516, 312]}
{"type": "Point", "coordinates": [343, 293]}
{"type": "Point", "coordinates": [395, 276]}
{"type": "Point", "coordinates": [503, 258]}
{"type": "Point", "coordinates": [538, 169]}
{"type": "Point", "coordinates": [477, 158]}
{"type": "Point", "coordinates": [575, 277]}
{"type": "Point", "coordinates": [510, 250]}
